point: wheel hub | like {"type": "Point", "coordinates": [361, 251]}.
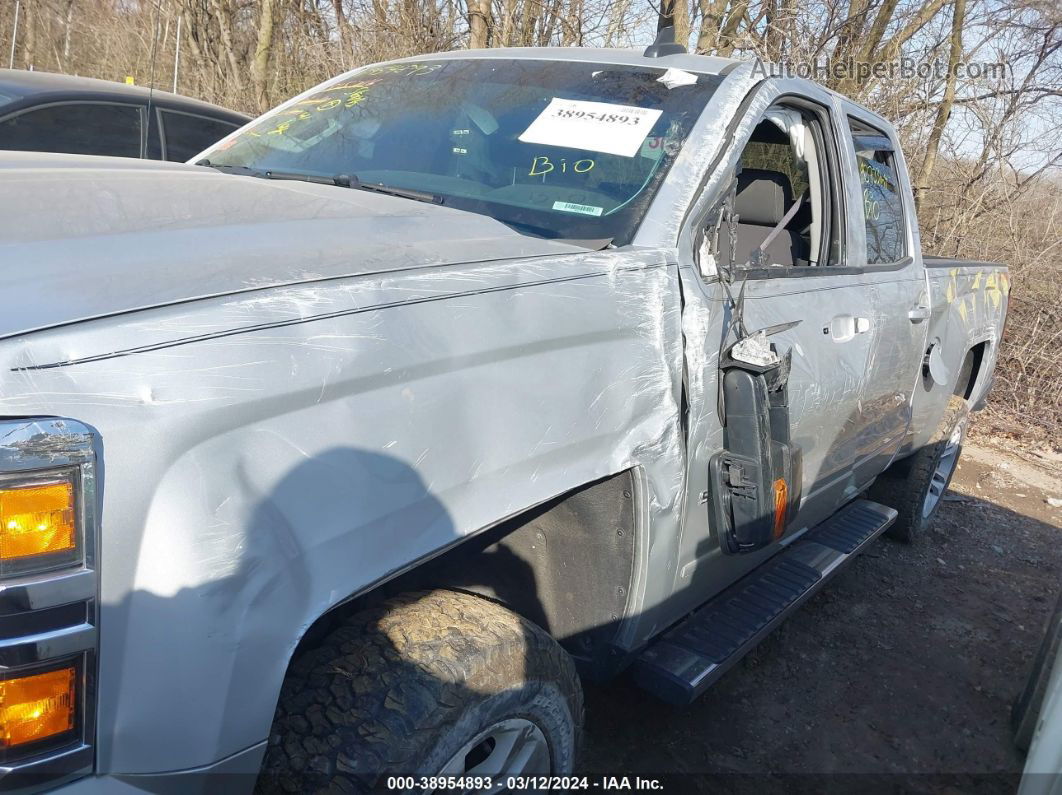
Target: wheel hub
{"type": "Point", "coordinates": [943, 470]}
{"type": "Point", "coordinates": [512, 747]}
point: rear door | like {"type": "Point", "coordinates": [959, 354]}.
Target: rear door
{"type": "Point", "coordinates": [888, 250]}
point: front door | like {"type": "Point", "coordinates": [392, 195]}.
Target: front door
{"type": "Point", "coordinates": [783, 239]}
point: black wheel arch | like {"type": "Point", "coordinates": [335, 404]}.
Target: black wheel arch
{"type": "Point", "coordinates": [567, 565]}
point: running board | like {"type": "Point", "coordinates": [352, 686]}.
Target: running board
{"type": "Point", "coordinates": [681, 665]}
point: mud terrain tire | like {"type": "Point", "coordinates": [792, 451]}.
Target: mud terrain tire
{"type": "Point", "coordinates": [402, 688]}
{"type": "Point", "coordinates": [907, 485]}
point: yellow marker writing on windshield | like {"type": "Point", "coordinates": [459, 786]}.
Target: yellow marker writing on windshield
{"type": "Point", "coordinates": [281, 128]}
{"type": "Point", "coordinates": [355, 95]}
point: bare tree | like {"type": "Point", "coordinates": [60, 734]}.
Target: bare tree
{"type": "Point", "coordinates": [479, 23]}
{"type": "Point", "coordinates": [946, 103]}
{"type": "Point", "coordinates": [263, 54]}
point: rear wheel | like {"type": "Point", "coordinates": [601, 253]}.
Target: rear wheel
{"type": "Point", "coordinates": [915, 485]}
{"type": "Point", "coordinates": [428, 684]}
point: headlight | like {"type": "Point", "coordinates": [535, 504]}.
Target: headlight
{"type": "Point", "coordinates": [39, 522]}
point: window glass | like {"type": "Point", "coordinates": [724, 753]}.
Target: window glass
{"type": "Point", "coordinates": [556, 149]}
{"type": "Point", "coordinates": [77, 128]}
{"type": "Point", "coordinates": [188, 135]}
{"type": "Point", "coordinates": [777, 157]}
{"type": "Point", "coordinates": [882, 203]}
{"type": "Point", "coordinates": [782, 206]}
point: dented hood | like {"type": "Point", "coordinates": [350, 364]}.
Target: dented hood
{"type": "Point", "coordinates": [86, 237]}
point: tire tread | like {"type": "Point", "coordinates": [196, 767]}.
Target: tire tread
{"type": "Point", "coordinates": [904, 485]}
{"type": "Point", "coordinates": [376, 692]}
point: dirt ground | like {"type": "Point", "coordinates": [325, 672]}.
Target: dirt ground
{"type": "Point", "coordinates": [898, 676]}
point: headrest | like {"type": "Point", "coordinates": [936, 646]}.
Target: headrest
{"type": "Point", "coordinates": [762, 196]}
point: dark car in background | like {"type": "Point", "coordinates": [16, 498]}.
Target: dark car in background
{"type": "Point", "coordinates": [43, 112]}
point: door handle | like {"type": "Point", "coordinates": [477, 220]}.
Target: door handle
{"type": "Point", "coordinates": [918, 314]}
{"type": "Point", "coordinates": [844, 327]}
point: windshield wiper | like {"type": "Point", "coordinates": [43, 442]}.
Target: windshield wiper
{"type": "Point", "coordinates": [390, 190]}
{"type": "Point", "coordinates": [339, 180]}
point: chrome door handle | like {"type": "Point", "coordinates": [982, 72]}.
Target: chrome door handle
{"type": "Point", "coordinates": [918, 314]}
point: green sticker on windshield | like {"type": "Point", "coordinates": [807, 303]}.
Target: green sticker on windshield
{"type": "Point", "coordinates": [571, 207]}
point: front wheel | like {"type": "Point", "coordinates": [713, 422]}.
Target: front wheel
{"type": "Point", "coordinates": [915, 485]}
{"type": "Point", "coordinates": [428, 685]}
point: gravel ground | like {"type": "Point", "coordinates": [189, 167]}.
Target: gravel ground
{"type": "Point", "coordinates": [898, 676]}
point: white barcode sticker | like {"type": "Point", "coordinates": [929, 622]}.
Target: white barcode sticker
{"type": "Point", "coordinates": [594, 126]}
{"type": "Point", "coordinates": [572, 207]}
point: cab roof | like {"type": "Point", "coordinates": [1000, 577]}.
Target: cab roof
{"type": "Point", "coordinates": [701, 64]}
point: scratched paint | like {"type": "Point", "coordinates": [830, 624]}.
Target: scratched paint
{"type": "Point", "coordinates": [270, 453]}
{"type": "Point", "coordinates": [299, 391]}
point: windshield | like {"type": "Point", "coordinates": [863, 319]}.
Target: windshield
{"type": "Point", "coordinates": [553, 148]}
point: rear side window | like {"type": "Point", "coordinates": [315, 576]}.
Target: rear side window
{"type": "Point", "coordinates": [879, 184]}
{"type": "Point", "coordinates": [187, 135]}
{"type": "Point", "coordinates": [80, 128]}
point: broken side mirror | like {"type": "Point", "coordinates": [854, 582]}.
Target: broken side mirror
{"type": "Point", "coordinates": [756, 480]}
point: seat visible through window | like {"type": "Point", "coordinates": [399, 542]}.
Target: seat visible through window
{"type": "Point", "coordinates": [778, 196]}
{"type": "Point", "coordinates": [763, 198]}
{"type": "Point", "coordinates": [782, 210]}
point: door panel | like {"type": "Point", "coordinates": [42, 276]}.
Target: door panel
{"type": "Point", "coordinates": [898, 342]}
{"type": "Point", "coordinates": [784, 220]}
{"type": "Point", "coordinates": [896, 291]}
{"type": "Point", "coordinates": [831, 349]}
{"type": "Point", "coordinates": [825, 390]}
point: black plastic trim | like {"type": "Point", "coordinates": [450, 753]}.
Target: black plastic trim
{"type": "Point", "coordinates": [931, 261]}
{"type": "Point", "coordinates": [809, 271]}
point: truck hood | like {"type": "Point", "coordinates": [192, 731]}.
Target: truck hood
{"type": "Point", "coordinates": [86, 237]}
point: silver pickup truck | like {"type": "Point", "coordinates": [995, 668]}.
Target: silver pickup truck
{"type": "Point", "coordinates": [333, 460]}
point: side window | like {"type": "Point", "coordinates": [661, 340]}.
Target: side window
{"type": "Point", "coordinates": [80, 128]}
{"type": "Point", "coordinates": [777, 156]}
{"type": "Point", "coordinates": [784, 209]}
{"type": "Point", "coordinates": [879, 185]}
{"type": "Point", "coordinates": [187, 135]}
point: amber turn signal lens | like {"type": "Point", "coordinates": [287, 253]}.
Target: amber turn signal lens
{"type": "Point", "coordinates": [37, 707]}
{"type": "Point", "coordinates": [781, 503]}
{"type": "Point", "coordinates": [37, 519]}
